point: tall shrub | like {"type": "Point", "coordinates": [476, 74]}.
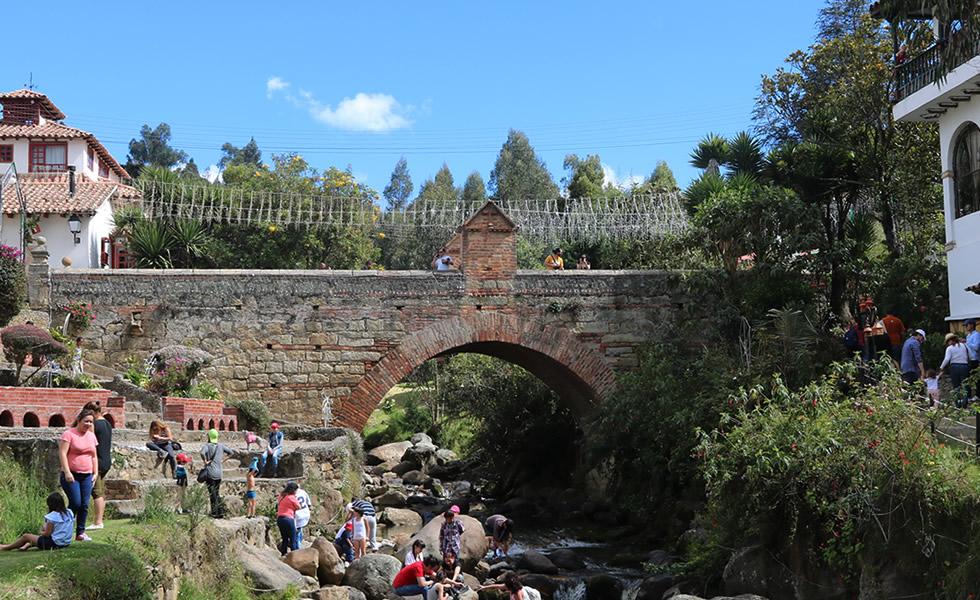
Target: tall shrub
{"type": "Point", "coordinates": [13, 283]}
{"type": "Point", "coordinates": [21, 341]}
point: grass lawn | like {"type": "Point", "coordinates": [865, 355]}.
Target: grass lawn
{"type": "Point", "coordinates": [40, 574]}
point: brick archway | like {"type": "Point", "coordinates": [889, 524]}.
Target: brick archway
{"type": "Point", "coordinates": [576, 372]}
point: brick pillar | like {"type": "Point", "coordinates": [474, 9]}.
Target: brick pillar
{"type": "Point", "coordinates": [488, 249]}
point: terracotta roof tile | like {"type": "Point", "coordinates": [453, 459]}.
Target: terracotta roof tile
{"type": "Point", "coordinates": [57, 131]}
{"type": "Point", "coordinates": [52, 111]}
{"type": "Point", "coordinates": [48, 193]}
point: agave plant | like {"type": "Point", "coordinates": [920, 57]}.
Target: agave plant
{"type": "Point", "coordinates": [151, 243]}
{"type": "Point", "coordinates": [190, 238]}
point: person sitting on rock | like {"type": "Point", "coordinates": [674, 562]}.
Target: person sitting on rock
{"type": "Point", "coordinates": [451, 575]}
{"type": "Point", "coordinates": [450, 532]}
{"type": "Point", "coordinates": [413, 580]}
{"type": "Point", "coordinates": [162, 441]}
{"type": "Point", "coordinates": [273, 449]}
{"type": "Point", "coordinates": [416, 553]}
{"type": "Point", "coordinates": [514, 587]}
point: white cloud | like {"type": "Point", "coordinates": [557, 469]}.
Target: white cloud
{"type": "Point", "coordinates": [363, 112]}
{"type": "Point", "coordinates": [624, 183]}
{"type": "Point", "coordinates": [275, 84]}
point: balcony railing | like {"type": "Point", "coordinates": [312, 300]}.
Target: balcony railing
{"type": "Point", "coordinates": [926, 68]}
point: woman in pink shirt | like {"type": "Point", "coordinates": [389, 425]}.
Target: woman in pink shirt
{"type": "Point", "coordinates": [286, 517]}
{"type": "Point", "coordinates": [76, 451]}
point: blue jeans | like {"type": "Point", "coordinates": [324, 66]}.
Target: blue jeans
{"type": "Point", "coordinates": [275, 458]}
{"type": "Point", "coordinates": [957, 373]}
{"type": "Point", "coordinates": [413, 589]}
{"type": "Point", "coordinates": [287, 529]}
{"type": "Point", "coordinates": [79, 493]}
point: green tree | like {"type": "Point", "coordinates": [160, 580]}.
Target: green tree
{"type": "Point", "coordinates": [399, 189]}
{"type": "Point", "coordinates": [474, 193]}
{"type": "Point", "coordinates": [519, 174]}
{"type": "Point", "coordinates": [153, 148]}
{"type": "Point", "coordinates": [441, 190]}
{"type": "Point", "coordinates": [662, 179]}
{"type": "Point", "coordinates": [248, 156]}
{"type": "Point", "coordinates": [586, 177]}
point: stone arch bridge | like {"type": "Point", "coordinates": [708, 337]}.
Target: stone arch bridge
{"type": "Point", "coordinates": [295, 338]}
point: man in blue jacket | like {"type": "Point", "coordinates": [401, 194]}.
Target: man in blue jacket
{"type": "Point", "coordinates": [912, 368]}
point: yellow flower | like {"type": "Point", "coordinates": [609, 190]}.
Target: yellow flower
{"type": "Point", "coordinates": [272, 227]}
{"type": "Point", "coordinates": [381, 235]}
{"type": "Point", "coordinates": [265, 166]}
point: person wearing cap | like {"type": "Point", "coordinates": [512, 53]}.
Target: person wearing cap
{"type": "Point", "coordinates": [972, 347]}
{"type": "Point", "coordinates": [912, 368]}
{"type": "Point", "coordinates": [344, 544]}
{"type": "Point", "coordinates": [273, 448]}
{"type": "Point", "coordinates": [214, 454]}
{"type": "Point", "coordinates": [180, 474]}
{"type": "Point", "coordinates": [450, 531]}
{"type": "Point", "coordinates": [959, 366]}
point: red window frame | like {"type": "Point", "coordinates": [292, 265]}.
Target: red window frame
{"type": "Point", "coordinates": [103, 169]}
{"type": "Point", "coordinates": [91, 159]}
{"type": "Point", "coordinates": [6, 153]}
{"type": "Point", "coordinates": [39, 159]}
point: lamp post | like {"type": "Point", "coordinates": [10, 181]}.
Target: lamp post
{"type": "Point", "coordinates": [75, 226]}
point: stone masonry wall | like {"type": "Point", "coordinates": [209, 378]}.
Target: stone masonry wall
{"type": "Point", "coordinates": [292, 338]}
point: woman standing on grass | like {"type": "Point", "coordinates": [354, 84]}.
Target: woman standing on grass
{"type": "Point", "coordinates": [79, 464]}
{"type": "Point", "coordinates": [103, 433]}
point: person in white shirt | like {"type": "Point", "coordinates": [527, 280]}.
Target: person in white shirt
{"type": "Point", "coordinates": [303, 513]}
{"type": "Point", "coordinates": [959, 366]}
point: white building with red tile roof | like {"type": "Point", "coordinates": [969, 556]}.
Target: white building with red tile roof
{"type": "Point", "coordinates": [47, 155]}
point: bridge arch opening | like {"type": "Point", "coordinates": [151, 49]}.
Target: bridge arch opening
{"type": "Point", "coordinates": [574, 370]}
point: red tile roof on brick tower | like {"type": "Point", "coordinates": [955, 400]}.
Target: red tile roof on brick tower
{"type": "Point", "coordinates": [49, 110]}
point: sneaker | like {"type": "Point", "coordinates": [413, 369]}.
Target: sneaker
{"type": "Point", "coordinates": [99, 526]}
{"type": "Point", "coordinates": [82, 538]}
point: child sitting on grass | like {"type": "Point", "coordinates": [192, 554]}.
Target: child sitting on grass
{"type": "Point", "coordinates": [57, 532]}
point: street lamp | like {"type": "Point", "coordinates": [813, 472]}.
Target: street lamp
{"type": "Point", "coordinates": [75, 226]}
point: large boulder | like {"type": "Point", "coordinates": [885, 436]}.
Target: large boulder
{"type": "Point", "coordinates": [422, 455]}
{"type": "Point", "coordinates": [388, 453]}
{"type": "Point", "coordinates": [543, 583]}
{"type": "Point", "coordinates": [421, 438]}
{"type": "Point", "coordinates": [603, 587]}
{"type": "Point", "coordinates": [253, 532]}
{"type": "Point", "coordinates": [565, 558]}
{"type": "Point", "coordinates": [444, 455]}
{"type": "Point", "coordinates": [331, 593]}
{"type": "Point", "coordinates": [472, 546]}
{"type": "Point", "coordinates": [414, 477]}
{"type": "Point", "coordinates": [535, 562]}
{"type": "Point", "coordinates": [266, 571]}
{"type": "Point", "coordinates": [399, 516]}
{"type": "Point", "coordinates": [305, 560]}
{"type": "Point", "coordinates": [330, 568]}
{"type": "Point", "coordinates": [391, 498]}
{"type": "Point", "coordinates": [373, 574]}
{"type": "Point", "coordinates": [404, 467]}
{"type": "Point", "coordinates": [653, 587]}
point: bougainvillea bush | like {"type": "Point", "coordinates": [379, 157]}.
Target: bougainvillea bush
{"type": "Point", "coordinates": [80, 316]}
{"type": "Point", "coordinates": [13, 283]}
{"type": "Point", "coordinates": [174, 369]}
{"type": "Point", "coordinates": [21, 341]}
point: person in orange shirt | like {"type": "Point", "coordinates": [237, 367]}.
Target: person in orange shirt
{"type": "Point", "coordinates": [896, 334]}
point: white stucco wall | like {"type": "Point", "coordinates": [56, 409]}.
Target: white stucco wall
{"type": "Point", "coordinates": [60, 244]}
{"type": "Point", "coordinates": [963, 234]}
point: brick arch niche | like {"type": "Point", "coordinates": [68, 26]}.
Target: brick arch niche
{"type": "Point", "coordinates": [577, 373]}
{"type": "Point", "coordinates": [6, 419]}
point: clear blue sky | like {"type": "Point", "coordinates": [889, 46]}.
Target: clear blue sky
{"type": "Point", "coordinates": [367, 82]}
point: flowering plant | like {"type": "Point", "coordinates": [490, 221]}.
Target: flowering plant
{"type": "Point", "coordinates": [13, 283]}
{"type": "Point", "coordinates": [174, 369]}
{"type": "Point", "coordinates": [80, 316]}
